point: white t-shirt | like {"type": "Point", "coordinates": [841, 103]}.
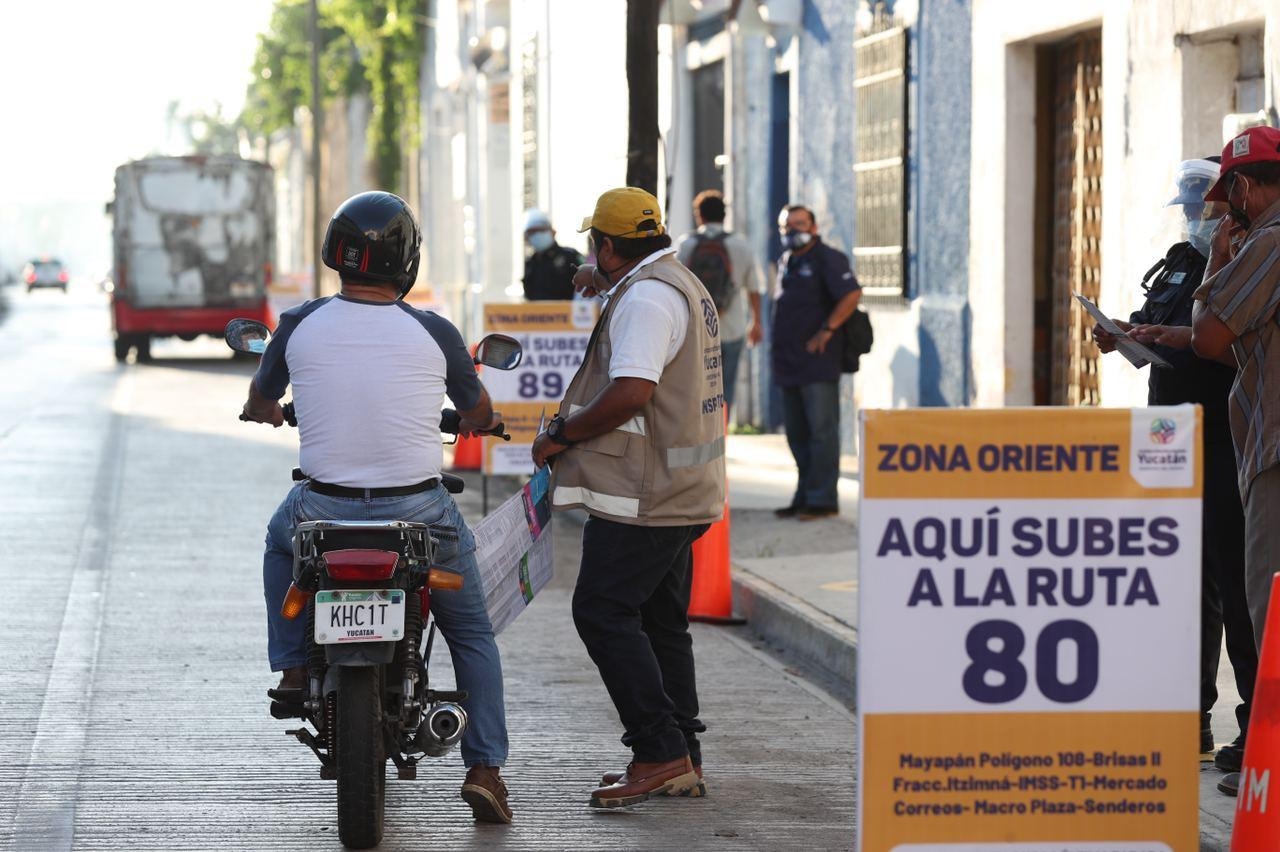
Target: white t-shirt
{"type": "Point", "coordinates": [368, 379]}
{"type": "Point", "coordinates": [648, 326]}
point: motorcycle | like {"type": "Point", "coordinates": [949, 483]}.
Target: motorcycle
{"type": "Point", "coordinates": [366, 586]}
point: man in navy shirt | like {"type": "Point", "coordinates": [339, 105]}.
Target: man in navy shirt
{"type": "Point", "coordinates": [815, 293]}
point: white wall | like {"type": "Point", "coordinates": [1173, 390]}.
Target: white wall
{"type": "Point", "coordinates": [582, 105]}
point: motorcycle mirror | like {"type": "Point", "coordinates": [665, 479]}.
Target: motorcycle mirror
{"type": "Point", "coordinates": [246, 335]}
{"type": "Point", "coordinates": [499, 351]}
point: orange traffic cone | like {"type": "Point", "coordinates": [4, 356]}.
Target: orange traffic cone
{"type": "Point", "coordinates": [711, 598]}
{"type": "Point", "coordinates": [467, 453]}
{"type": "Point", "coordinates": [1257, 822]}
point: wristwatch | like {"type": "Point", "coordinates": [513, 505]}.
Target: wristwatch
{"type": "Point", "coordinates": [555, 431]}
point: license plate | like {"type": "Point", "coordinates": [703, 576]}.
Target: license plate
{"type": "Point", "coordinates": [359, 615]}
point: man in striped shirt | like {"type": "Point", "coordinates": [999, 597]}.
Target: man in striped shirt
{"type": "Point", "coordinates": [1236, 321]}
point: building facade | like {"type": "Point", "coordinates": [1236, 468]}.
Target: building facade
{"type": "Point", "coordinates": [1080, 113]}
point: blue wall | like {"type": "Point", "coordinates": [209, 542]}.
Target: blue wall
{"type": "Point", "coordinates": [938, 152]}
{"type": "Point", "coordinates": [823, 153]}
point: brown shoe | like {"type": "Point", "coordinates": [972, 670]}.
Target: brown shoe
{"type": "Point", "coordinates": [292, 686]}
{"type": "Point", "coordinates": [643, 780]}
{"type": "Point", "coordinates": [614, 776]}
{"type": "Point", "coordinates": [814, 513]}
{"type": "Point", "coordinates": [486, 794]}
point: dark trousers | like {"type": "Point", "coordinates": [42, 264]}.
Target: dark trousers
{"type": "Point", "coordinates": [811, 418]}
{"type": "Point", "coordinates": [1223, 601]}
{"type": "Point", "coordinates": [630, 607]}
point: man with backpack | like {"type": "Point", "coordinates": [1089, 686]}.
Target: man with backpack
{"type": "Point", "coordinates": [725, 265]}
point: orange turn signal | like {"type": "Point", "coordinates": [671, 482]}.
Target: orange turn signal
{"type": "Point", "coordinates": [295, 601]}
{"type": "Point", "coordinates": [445, 580]}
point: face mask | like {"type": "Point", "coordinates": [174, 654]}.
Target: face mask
{"type": "Point", "coordinates": [540, 240]}
{"type": "Point", "coordinates": [796, 239]}
{"type": "Point", "coordinates": [1238, 213]}
{"type": "Point", "coordinates": [1200, 234]}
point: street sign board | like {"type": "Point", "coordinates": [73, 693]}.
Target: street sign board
{"type": "Point", "coordinates": [1029, 629]}
{"type": "Point", "coordinates": [554, 336]}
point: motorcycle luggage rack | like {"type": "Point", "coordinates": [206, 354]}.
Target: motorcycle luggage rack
{"type": "Point", "coordinates": [310, 538]}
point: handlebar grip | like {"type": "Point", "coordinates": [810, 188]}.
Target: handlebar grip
{"type": "Point", "coordinates": [500, 431]}
{"type": "Point", "coordinates": [450, 421]}
{"type": "Point", "coordinates": [290, 416]}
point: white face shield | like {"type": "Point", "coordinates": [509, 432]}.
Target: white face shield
{"type": "Point", "coordinates": [1192, 180]}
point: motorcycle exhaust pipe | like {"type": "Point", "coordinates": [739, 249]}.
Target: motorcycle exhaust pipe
{"type": "Point", "coordinates": [441, 728]}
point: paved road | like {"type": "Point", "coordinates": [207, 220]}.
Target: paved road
{"type": "Point", "coordinates": [132, 711]}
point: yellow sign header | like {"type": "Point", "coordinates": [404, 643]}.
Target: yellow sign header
{"type": "Point", "coordinates": [984, 453]}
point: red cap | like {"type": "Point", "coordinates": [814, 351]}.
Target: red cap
{"type": "Point", "coordinates": [1255, 145]}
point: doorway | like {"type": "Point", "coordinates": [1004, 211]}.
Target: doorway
{"type": "Point", "coordinates": [1068, 223]}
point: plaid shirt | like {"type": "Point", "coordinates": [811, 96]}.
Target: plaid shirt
{"type": "Point", "coordinates": [1244, 295]}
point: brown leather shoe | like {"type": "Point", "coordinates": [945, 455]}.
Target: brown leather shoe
{"type": "Point", "coordinates": [614, 776]}
{"type": "Point", "coordinates": [486, 794]}
{"type": "Point", "coordinates": [643, 780]}
{"type": "Point", "coordinates": [292, 686]}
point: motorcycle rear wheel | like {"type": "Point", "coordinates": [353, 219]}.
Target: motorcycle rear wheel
{"type": "Point", "coordinates": [361, 757]}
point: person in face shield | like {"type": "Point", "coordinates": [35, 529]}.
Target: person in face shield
{"type": "Point", "coordinates": [1164, 322]}
{"type": "Point", "coordinates": [549, 268]}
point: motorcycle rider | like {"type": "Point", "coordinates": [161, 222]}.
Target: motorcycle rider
{"type": "Point", "coordinates": [369, 374]}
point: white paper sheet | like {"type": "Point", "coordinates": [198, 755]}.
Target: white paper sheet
{"type": "Point", "coordinates": [1134, 352]}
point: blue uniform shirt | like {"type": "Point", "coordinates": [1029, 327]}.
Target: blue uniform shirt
{"type": "Point", "coordinates": [808, 287]}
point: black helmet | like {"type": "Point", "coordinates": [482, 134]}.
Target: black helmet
{"type": "Point", "coordinates": [374, 236]}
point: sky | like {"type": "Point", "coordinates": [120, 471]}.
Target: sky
{"type": "Point", "coordinates": [88, 83]}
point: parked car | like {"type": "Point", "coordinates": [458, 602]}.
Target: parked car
{"type": "Point", "coordinates": [45, 272]}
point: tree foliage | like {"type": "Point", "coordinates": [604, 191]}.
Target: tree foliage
{"type": "Point", "coordinates": [367, 46]}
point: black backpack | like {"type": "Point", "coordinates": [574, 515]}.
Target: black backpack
{"type": "Point", "coordinates": [710, 263]}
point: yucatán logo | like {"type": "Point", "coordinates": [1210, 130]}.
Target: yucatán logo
{"type": "Point", "coordinates": [1163, 430]}
{"type": "Point", "coordinates": [1240, 146]}
{"type": "Point", "coordinates": [1163, 456]}
{"type": "Point", "coordinates": [351, 257]}
{"type": "Point", "coordinates": [712, 317]}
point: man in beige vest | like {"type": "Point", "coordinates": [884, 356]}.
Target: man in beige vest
{"type": "Point", "coordinates": [639, 444]}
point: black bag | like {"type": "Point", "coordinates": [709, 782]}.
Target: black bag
{"type": "Point", "coordinates": [855, 340]}
{"type": "Point", "coordinates": [710, 263]}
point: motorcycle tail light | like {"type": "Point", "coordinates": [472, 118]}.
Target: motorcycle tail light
{"type": "Point", "coordinates": [295, 601]}
{"type": "Point", "coordinates": [446, 580]}
{"type": "Point", "coordinates": [355, 564]}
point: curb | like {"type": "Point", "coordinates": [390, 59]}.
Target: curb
{"type": "Point", "coordinates": [821, 643]}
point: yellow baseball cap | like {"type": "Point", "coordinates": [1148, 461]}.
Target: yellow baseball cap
{"type": "Point", "coordinates": [628, 212]}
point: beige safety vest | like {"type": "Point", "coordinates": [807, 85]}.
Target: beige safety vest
{"type": "Point", "coordinates": [664, 467]}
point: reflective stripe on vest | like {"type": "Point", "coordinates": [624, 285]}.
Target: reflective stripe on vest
{"type": "Point", "coordinates": [701, 454]}
{"type": "Point", "coordinates": [635, 425]}
{"type": "Point", "coordinates": [621, 507]}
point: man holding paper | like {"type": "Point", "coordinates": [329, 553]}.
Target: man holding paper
{"type": "Point", "coordinates": [1164, 322]}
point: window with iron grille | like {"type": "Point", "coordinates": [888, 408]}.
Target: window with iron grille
{"type": "Point", "coordinates": [880, 144]}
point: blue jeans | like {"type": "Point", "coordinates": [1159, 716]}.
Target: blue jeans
{"type": "Point", "coordinates": [461, 615]}
{"type": "Point", "coordinates": [730, 357]}
{"type": "Point", "coordinates": [811, 418]}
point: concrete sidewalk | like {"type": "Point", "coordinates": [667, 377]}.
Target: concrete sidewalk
{"type": "Point", "coordinates": [797, 584]}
